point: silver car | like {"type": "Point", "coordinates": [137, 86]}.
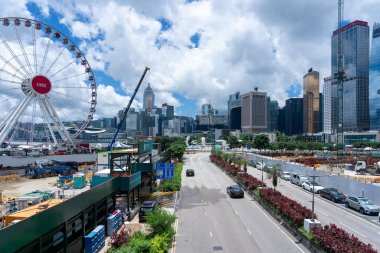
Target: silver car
{"type": "Point", "coordinates": [285, 175]}
{"type": "Point", "coordinates": [363, 205]}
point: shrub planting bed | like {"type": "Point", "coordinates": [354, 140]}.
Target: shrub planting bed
{"type": "Point", "coordinates": [334, 239]}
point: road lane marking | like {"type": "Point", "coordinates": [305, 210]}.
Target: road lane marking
{"type": "Point", "coordinates": [210, 234]}
{"type": "Point", "coordinates": [321, 212]}
{"type": "Point", "coordinates": [176, 225]}
{"type": "Point", "coordinates": [277, 226]}
{"type": "Point", "coordinates": [352, 229]}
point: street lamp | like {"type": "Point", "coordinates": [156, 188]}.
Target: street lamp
{"type": "Point", "coordinates": [262, 173]}
{"type": "Point", "coordinates": [312, 202]}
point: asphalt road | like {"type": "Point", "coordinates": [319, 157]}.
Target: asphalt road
{"type": "Point", "coordinates": [365, 227]}
{"type": "Point", "coordinates": [210, 221]}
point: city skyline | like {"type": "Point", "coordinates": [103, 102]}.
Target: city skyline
{"type": "Point", "coordinates": [180, 37]}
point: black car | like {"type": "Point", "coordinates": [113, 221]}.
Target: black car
{"type": "Point", "coordinates": [145, 207]}
{"type": "Point", "coordinates": [235, 191]}
{"type": "Point", "coordinates": [189, 172]}
{"type": "Point", "coordinates": [333, 195]}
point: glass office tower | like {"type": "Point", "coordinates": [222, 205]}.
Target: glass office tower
{"type": "Point", "coordinates": [374, 79]}
{"type": "Point", "coordinates": [356, 85]}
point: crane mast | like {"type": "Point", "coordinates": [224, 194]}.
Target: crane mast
{"type": "Point", "coordinates": [339, 76]}
{"type": "Point", "coordinates": [118, 128]}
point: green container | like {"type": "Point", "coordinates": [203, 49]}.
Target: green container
{"type": "Point", "coordinates": [79, 181]}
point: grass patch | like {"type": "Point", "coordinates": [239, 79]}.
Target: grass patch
{"type": "Point", "coordinates": [256, 192]}
{"type": "Point", "coordinates": [305, 233]}
{"type": "Point", "coordinates": [171, 185]}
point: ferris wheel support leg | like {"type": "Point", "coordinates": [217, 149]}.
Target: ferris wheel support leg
{"type": "Point", "coordinates": [46, 118]}
{"type": "Point", "coordinates": [6, 119]}
{"type": "Point", "coordinates": [57, 122]}
{"type": "Point", "coordinates": [12, 120]}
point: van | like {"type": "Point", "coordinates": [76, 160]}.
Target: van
{"type": "Point", "coordinates": [298, 179]}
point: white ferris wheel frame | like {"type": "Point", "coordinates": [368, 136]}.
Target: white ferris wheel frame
{"type": "Point", "coordinates": [29, 80]}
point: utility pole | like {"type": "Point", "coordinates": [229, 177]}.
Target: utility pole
{"type": "Point", "coordinates": [339, 77]}
{"type": "Point", "coordinates": [262, 173]}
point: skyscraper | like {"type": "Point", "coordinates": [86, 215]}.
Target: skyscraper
{"type": "Point", "coordinates": [254, 112]}
{"type": "Point", "coordinates": [374, 79]}
{"type": "Point", "coordinates": [148, 100]}
{"type": "Point", "coordinates": [355, 86]}
{"type": "Point", "coordinates": [311, 102]}
{"type": "Point", "coordinates": [327, 105]}
{"type": "Point", "coordinates": [273, 116]}
{"type": "Point", "coordinates": [293, 116]}
{"type": "Point", "coordinates": [234, 111]}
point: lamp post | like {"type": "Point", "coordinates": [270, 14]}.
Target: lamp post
{"type": "Point", "coordinates": [262, 173]}
{"type": "Point", "coordinates": [312, 202]}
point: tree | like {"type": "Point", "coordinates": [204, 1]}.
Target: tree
{"type": "Point", "coordinates": [177, 149]}
{"type": "Point", "coordinates": [233, 142]}
{"type": "Point", "coordinates": [261, 141]}
{"type": "Point", "coordinates": [245, 163]}
{"type": "Point", "coordinates": [274, 173]}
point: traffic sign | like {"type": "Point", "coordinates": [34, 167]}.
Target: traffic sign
{"type": "Point", "coordinates": [164, 170]}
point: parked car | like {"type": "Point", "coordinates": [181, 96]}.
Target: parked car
{"type": "Point", "coordinates": [260, 165]}
{"type": "Point", "coordinates": [298, 179]}
{"type": "Point", "coordinates": [267, 168]}
{"type": "Point", "coordinates": [333, 195]}
{"type": "Point", "coordinates": [252, 163]}
{"type": "Point", "coordinates": [235, 191]}
{"type": "Point", "coordinates": [363, 205]}
{"type": "Point", "coordinates": [312, 186]}
{"type": "Point", "coordinates": [146, 206]}
{"type": "Point", "coordinates": [190, 173]}
{"type": "Point", "coordinates": [285, 175]}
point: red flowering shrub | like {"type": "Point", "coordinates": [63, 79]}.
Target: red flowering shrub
{"type": "Point", "coordinates": [336, 240]}
{"type": "Point", "coordinates": [291, 209]}
{"type": "Point", "coordinates": [250, 181]}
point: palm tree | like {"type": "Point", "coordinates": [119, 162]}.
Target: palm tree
{"type": "Point", "coordinates": [245, 163]}
{"type": "Point", "coordinates": [274, 174]}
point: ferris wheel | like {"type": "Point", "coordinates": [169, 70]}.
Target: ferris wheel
{"type": "Point", "coordinates": [47, 87]}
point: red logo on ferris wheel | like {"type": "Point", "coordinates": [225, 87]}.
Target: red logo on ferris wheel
{"type": "Point", "coordinates": [41, 85]}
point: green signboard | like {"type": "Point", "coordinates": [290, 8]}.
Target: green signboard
{"type": "Point", "coordinates": [145, 146]}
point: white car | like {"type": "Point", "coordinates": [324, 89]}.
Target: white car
{"type": "Point", "coordinates": [285, 175]}
{"type": "Point", "coordinates": [312, 186]}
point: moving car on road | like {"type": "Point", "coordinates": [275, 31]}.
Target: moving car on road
{"type": "Point", "coordinates": [333, 195]}
{"type": "Point", "coordinates": [260, 165]}
{"type": "Point", "coordinates": [235, 191]}
{"type": "Point", "coordinates": [146, 206]}
{"type": "Point", "coordinates": [312, 186]}
{"type": "Point", "coordinates": [363, 205]}
{"type": "Point", "coordinates": [190, 173]}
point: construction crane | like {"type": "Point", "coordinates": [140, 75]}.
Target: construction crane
{"type": "Point", "coordinates": [339, 77]}
{"type": "Point", "coordinates": [126, 111]}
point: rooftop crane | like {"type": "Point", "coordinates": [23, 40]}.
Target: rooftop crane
{"type": "Point", "coordinates": [339, 76]}
{"type": "Point", "coordinates": [126, 111]}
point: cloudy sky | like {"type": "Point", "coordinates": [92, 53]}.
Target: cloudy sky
{"type": "Point", "coordinates": [198, 51]}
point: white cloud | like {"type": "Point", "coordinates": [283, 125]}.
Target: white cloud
{"type": "Point", "coordinates": [236, 51]}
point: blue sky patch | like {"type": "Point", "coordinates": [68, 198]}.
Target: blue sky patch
{"type": "Point", "coordinates": [166, 24]}
{"type": "Point", "coordinates": [195, 38]}
{"type": "Point", "coordinates": [294, 90]}
{"type": "Point", "coordinates": [188, 107]}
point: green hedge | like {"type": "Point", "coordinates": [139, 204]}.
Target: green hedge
{"type": "Point", "coordinates": [171, 185]}
{"type": "Point", "coordinates": [158, 241]}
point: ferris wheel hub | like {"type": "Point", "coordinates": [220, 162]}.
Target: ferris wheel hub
{"type": "Point", "coordinates": [41, 84]}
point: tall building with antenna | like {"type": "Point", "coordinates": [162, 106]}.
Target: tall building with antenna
{"type": "Point", "coordinates": [148, 99]}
